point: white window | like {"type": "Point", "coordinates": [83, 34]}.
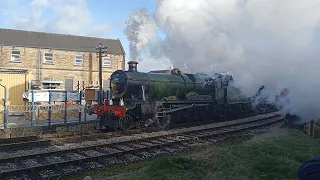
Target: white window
{"type": "Point", "coordinates": [78, 60]}
{"type": "Point", "coordinates": [15, 56]}
{"type": "Point", "coordinates": [48, 58]}
{"type": "Point", "coordinates": [106, 62]}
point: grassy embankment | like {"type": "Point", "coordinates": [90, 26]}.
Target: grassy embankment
{"type": "Point", "coordinates": [274, 156]}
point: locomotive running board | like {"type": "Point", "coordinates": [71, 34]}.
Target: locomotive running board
{"type": "Point", "coordinates": [184, 107]}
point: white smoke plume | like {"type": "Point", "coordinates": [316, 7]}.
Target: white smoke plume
{"type": "Point", "coordinates": [140, 31]}
{"type": "Point", "coordinates": [274, 43]}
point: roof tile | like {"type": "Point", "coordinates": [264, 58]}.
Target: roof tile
{"type": "Point", "coordinates": [11, 37]}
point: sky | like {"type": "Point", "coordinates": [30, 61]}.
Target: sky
{"type": "Point", "coordinates": [97, 18]}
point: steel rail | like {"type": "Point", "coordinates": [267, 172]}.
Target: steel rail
{"type": "Point", "coordinates": [45, 142]}
{"type": "Point", "coordinates": [18, 139]}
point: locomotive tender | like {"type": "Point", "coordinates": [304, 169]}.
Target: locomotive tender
{"type": "Point", "coordinates": [166, 98]}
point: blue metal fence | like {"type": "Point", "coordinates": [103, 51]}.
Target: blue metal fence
{"type": "Point", "coordinates": [48, 107]}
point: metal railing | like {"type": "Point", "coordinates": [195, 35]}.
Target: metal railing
{"type": "Point", "coordinates": [44, 114]}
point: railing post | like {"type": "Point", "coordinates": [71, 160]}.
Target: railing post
{"type": "Point", "coordinates": [50, 107]}
{"type": "Point", "coordinates": [32, 107]}
{"type": "Point", "coordinates": [312, 128]}
{"type": "Point", "coordinates": [98, 95]}
{"type": "Point", "coordinates": [107, 94]}
{"type": "Point", "coordinates": [80, 103]}
{"type": "Point", "coordinates": [98, 116]}
{"type": "Point", "coordinates": [78, 86]}
{"type": "Point", "coordinates": [85, 112]}
{"type": "Point", "coordinates": [65, 107]}
{"type": "Point", "coordinates": [80, 98]}
{"type": "Point", "coordinates": [37, 118]}
{"type": "Point", "coordinates": [5, 121]}
{"type": "Point", "coordinates": [83, 85]}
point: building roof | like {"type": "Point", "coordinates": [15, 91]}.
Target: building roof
{"type": "Point", "coordinates": [21, 38]}
{"type": "Point", "coordinates": [13, 71]}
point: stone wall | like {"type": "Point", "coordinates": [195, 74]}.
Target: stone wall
{"type": "Point", "coordinates": [63, 65]}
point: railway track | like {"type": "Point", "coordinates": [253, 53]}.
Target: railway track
{"type": "Point", "coordinates": [140, 129]}
{"type": "Point", "coordinates": [107, 134]}
{"type": "Point", "coordinates": [55, 162]}
{"type": "Point", "coordinates": [27, 142]}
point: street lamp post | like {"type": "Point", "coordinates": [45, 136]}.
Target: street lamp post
{"type": "Point", "coordinates": [101, 51]}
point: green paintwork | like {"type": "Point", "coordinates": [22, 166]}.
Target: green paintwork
{"type": "Point", "coordinates": [165, 85]}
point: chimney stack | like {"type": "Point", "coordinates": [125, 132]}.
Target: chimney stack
{"type": "Point", "coordinates": [132, 66]}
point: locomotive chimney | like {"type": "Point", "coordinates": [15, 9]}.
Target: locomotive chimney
{"type": "Point", "coordinates": [132, 66]}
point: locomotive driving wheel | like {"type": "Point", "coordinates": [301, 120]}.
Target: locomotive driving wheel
{"type": "Point", "coordinates": [126, 122]}
{"type": "Point", "coordinates": [164, 122]}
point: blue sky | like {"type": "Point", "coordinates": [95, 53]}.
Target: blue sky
{"type": "Point", "coordinates": [99, 18]}
{"type": "Point", "coordinates": [116, 12]}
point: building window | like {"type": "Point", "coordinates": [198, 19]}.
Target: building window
{"type": "Point", "coordinates": [106, 62]}
{"type": "Point", "coordinates": [48, 58]}
{"type": "Point", "coordinates": [78, 60]}
{"type": "Point", "coordinates": [68, 84]}
{"type": "Point", "coordinates": [15, 56]}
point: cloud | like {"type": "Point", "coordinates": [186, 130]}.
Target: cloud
{"type": "Point", "coordinates": [71, 18]}
{"type": "Point", "coordinates": [34, 20]}
{"type": "Point", "coordinates": [58, 16]}
{"type": "Point", "coordinates": [40, 3]}
{"type": "Point", "coordinates": [5, 12]}
{"type": "Point", "coordinates": [100, 30]}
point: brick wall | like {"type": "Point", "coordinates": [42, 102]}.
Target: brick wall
{"type": "Point", "coordinates": [63, 65]}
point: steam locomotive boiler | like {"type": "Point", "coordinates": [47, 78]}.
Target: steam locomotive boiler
{"type": "Point", "coordinates": [166, 98]}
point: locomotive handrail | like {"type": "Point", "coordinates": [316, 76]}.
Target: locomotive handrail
{"type": "Point", "coordinates": [185, 107]}
{"type": "Point", "coordinates": [121, 103]}
{"type": "Point", "coordinates": [143, 93]}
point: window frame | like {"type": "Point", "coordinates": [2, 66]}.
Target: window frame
{"type": "Point", "coordinates": [11, 57]}
{"type": "Point", "coordinates": [72, 84]}
{"type": "Point", "coordinates": [104, 64]}
{"type": "Point", "coordinates": [75, 60]}
{"type": "Point", "coordinates": [44, 58]}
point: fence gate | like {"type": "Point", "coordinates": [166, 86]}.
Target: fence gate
{"type": "Point", "coordinates": [15, 82]}
{"type": "Point", "coordinates": [16, 85]}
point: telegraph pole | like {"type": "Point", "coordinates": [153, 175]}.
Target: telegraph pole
{"type": "Point", "coordinates": [101, 52]}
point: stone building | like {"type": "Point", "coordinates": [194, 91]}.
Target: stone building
{"type": "Point", "coordinates": [27, 57]}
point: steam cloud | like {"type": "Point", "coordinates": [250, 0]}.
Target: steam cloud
{"type": "Point", "coordinates": [273, 43]}
{"type": "Point", "coordinates": [140, 30]}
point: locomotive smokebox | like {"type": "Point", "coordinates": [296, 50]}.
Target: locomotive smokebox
{"type": "Point", "coordinates": [132, 66]}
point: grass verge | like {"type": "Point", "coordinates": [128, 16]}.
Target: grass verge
{"type": "Point", "coordinates": [274, 156]}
